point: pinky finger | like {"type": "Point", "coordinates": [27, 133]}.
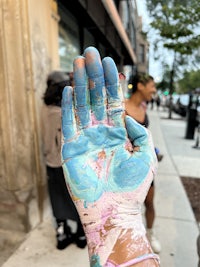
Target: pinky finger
{"type": "Point", "coordinates": [69, 128]}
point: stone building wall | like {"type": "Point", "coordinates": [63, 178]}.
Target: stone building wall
{"type": "Point", "coordinates": [28, 51]}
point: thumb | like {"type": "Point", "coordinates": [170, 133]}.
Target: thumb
{"type": "Point", "coordinates": [136, 132]}
{"type": "Point", "coordinates": [141, 137]}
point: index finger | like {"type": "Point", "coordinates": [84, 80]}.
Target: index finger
{"type": "Point", "coordinates": [115, 108]}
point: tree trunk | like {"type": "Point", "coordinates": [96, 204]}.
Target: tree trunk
{"type": "Point", "coordinates": [171, 87]}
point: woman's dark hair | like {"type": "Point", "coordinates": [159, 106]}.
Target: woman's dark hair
{"type": "Point", "coordinates": [56, 81]}
{"type": "Point", "coordinates": [53, 93]}
{"type": "Point", "coordinates": [139, 78]}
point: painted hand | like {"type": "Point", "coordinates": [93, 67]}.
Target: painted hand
{"type": "Point", "coordinates": [107, 178]}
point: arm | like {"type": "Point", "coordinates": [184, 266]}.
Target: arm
{"type": "Point", "coordinates": [108, 180]}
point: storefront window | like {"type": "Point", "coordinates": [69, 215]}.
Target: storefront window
{"type": "Point", "coordinates": [69, 46]}
{"type": "Point", "coordinates": [141, 53]}
{"type": "Point", "coordinates": [68, 50]}
{"type": "Point", "coordinates": [88, 39]}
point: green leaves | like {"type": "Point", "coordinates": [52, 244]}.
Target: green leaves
{"type": "Point", "coordinates": [190, 81]}
{"type": "Point", "coordinates": [176, 22]}
{"type": "Point", "coordinates": [177, 25]}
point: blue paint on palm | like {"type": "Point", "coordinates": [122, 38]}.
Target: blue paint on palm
{"type": "Point", "coordinates": [126, 171]}
{"type": "Point", "coordinates": [83, 181]}
{"type": "Point", "coordinates": [94, 138]}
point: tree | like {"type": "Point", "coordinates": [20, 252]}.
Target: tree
{"type": "Point", "coordinates": [189, 82]}
{"type": "Point", "coordinates": [163, 85]}
{"type": "Point", "coordinates": [175, 23]}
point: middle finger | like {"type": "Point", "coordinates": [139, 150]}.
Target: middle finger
{"type": "Point", "coordinates": [81, 93]}
{"type": "Point", "coordinates": [95, 74]}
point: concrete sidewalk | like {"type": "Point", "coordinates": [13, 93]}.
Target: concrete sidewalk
{"type": "Point", "coordinates": [175, 223]}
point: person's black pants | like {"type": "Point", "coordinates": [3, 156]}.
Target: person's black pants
{"type": "Point", "coordinates": [62, 205]}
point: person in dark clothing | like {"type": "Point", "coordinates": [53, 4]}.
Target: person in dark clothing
{"type": "Point", "coordinates": [157, 98]}
{"type": "Point", "coordinates": [62, 205]}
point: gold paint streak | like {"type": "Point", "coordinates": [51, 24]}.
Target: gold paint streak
{"type": "Point", "coordinates": [79, 63]}
{"type": "Point", "coordinates": [91, 84]}
{"type": "Point", "coordinates": [102, 155]}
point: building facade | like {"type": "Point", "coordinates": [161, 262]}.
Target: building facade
{"type": "Point", "coordinates": [37, 37]}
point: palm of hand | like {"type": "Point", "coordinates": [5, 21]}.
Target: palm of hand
{"type": "Point", "coordinates": [99, 161]}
